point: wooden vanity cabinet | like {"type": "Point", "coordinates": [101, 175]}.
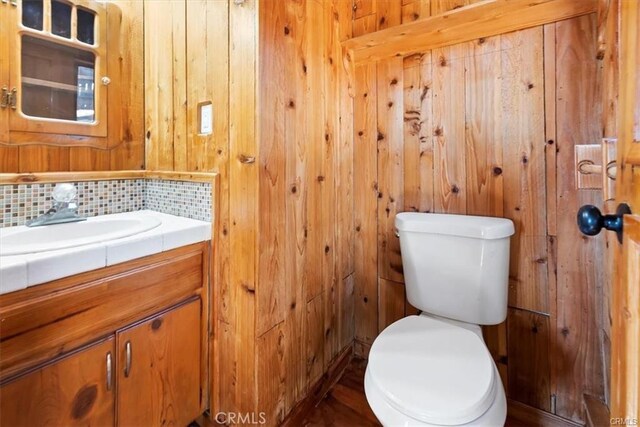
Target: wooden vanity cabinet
{"type": "Point", "coordinates": [121, 346]}
{"type": "Point", "coordinates": [159, 369]}
{"type": "Point", "coordinates": [75, 390]}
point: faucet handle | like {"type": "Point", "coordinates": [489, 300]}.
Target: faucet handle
{"type": "Point", "coordinates": [64, 193]}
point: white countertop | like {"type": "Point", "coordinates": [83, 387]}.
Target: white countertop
{"type": "Point", "coordinates": [21, 271]}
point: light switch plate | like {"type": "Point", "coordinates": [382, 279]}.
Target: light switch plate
{"type": "Point", "coordinates": [205, 118]}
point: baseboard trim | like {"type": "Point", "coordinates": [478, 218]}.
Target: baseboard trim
{"type": "Point", "coordinates": [319, 389]}
{"type": "Point", "coordinates": [532, 417]}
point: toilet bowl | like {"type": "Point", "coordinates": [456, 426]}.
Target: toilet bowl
{"type": "Point", "coordinates": [435, 369]}
{"type": "Point", "coordinates": [426, 371]}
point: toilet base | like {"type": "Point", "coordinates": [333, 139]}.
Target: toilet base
{"type": "Point", "coordinates": [495, 416]}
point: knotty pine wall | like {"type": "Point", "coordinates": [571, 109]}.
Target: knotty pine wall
{"type": "Point", "coordinates": [283, 145]}
{"type": "Point", "coordinates": [125, 109]}
{"type": "Point", "coordinates": [488, 128]}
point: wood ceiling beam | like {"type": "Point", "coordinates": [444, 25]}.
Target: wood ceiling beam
{"type": "Point", "coordinates": [484, 19]}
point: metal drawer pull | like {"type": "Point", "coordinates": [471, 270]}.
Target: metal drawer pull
{"type": "Point", "coordinates": [109, 372]}
{"type": "Point", "coordinates": [127, 366]}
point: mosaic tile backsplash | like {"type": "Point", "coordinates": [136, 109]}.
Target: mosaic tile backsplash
{"type": "Point", "coordinates": [21, 202]}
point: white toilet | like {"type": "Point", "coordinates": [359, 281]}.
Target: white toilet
{"type": "Point", "coordinates": [435, 369]}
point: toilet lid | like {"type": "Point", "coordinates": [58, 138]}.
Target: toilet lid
{"type": "Point", "coordinates": [433, 371]}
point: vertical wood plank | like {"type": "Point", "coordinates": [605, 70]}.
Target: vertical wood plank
{"type": "Point", "coordinates": [579, 271]}
{"type": "Point", "coordinates": [528, 358]}
{"type": "Point", "coordinates": [43, 158]}
{"type": "Point", "coordinates": [390, 166]}
{"type": "Point", "coordinates": [296, 215]}
{"type": "Point", "coordinates": [366, 194]}
{"type": "Point", "coordinates": [524, 157]}
{"type": "Point", "coordinates": [392, 302]}
{"type": "Point", "coordinates": [271, 374]}
{"type": "Point", "coordinates": [243, 201]}
{"type": "Point", "coordinates": [272, 162]}
{"type": "Point", "coordinates": [448, 130]}
{"type": "Point", "coordinates": [126, 113]}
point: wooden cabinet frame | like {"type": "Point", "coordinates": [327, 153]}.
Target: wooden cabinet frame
{"type": "Point", "coordinates": [49, 323]}
{"type": "Point", "coordinates": [18, 120]}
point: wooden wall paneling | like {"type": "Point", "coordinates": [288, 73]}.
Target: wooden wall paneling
{"type": "Point", "coordinates": [344, 147]}
{"type": "Point", "coordinates": [126, 92]}
{"type": "Point", "coordinates": [416, 9]}
{"type": "Point", "coordinates": [329, 181]}
{"type": "Point", "coordinates": [218, 160]}
{"type": "Point", "coordinates": [449, 129]}
{"type": "Point", "coordinates": [315, 339]}
{"type": "Point", "coordinates": [344, 236]}
{"type": "Point", "coordinates": [579, 270]}
{"type": "Point", "coordinates": [392, 302]}
{"type": "Point", "coordinates": [549, 49]}
{"type": "Point", "coordinates": [240, 369]}
{"type": "Point", "coordinates": [207, 59]}
{"type": "Point", "coordinates": [390, 165]}
{"type": "Point", "coordinates": [524, 157]}
{"type": "Point", "coordinates": [528, 358]}
{"type": "Point", "coordinates": [89, 159]}
{"type": "Point", "coordinates": [271, 372]}
{"type": "Point", "coordinates": [313, 67]}
{"type": "Point", "coordinates": [363, 8]}
{"type": "Point", "coordinates": [483, 136]}
{"type": "Point", "coordinates": [165, 85]}
{"type": "Point", "coordinates": [43, 158]}
{"type": "Point", "coordinates": [9, 159]}
{"type": "Point", "coordinates": [271, 163]}
{"type": "Point", "coordinates": [296, 209]}
{"type": "Point", "coordinates": [483, 154]}
{"type": "Point", "coordinates": [366, 195]}
{"type": "Point", "coordinates": [417, 137]}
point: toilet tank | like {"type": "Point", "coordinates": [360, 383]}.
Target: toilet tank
{"type": "Point", "coordinates": [456, 266]}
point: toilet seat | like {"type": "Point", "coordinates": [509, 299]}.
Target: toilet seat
{"type": "Point", "coordinates": [432, 371]}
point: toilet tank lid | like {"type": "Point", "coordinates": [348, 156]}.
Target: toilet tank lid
{"type": "Point", "coordinates": [478, 227]}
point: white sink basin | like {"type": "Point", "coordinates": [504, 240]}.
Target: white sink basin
{"type": "Point", "coordinates": [26, 240]}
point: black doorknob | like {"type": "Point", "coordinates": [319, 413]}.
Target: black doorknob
{"type": "Point", "coordinates": [591, 220]}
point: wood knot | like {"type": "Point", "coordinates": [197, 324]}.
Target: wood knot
{"type": "Point", "coordinates": [286, 30]}
{"type": "Point", "coordinates": [382, 21]}
{"type": "Point", "coordinates": [155, 325]}
{"type": "Point", "coordinates": [327, 249]}
{"type": "Point", "coordinates": [530, 86]}
{"type": "Point", "coordinates": [481, 40]}
{"type": "Point", "coordinates": [390, 104]}
{"type": "Point", "coordinates": [83, 401]}
{"type": "Point", "coordinates": [443, 61]}
{"type": "Point", "coordinates": [455, 189]}
{"type": "Point", "coordinates": [380, 136]}
{"type": "Point", "coordinates": [294, 189]}
{"type": "Point", "coordinates": [246, 160]}
{"type": "Point", "coordinates": [320, 178]}
{"type": "Point", "coordinates": [394, 81]}
{"type": "Point", "coordinates": [360, 133]}
{"type": "Point", "coordinates": [292, 104]}
{"type": "Point", "coordinates": [497, 171]}
{"type": "Point", "coordinates": [437, 131]}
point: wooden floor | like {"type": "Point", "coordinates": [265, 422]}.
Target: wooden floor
{"type": "Point", "coordinates": [345, 404]}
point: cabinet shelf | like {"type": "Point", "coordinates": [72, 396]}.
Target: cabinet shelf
{"type": "Point", "coordinates": [49, 84]}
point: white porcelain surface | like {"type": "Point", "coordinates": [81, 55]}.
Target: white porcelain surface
{"type": "Point", "coordinates": [479, 227]}
{"type": "Point", "coordinates": [21, 271]}
{"type": "Point", "coordinates": [433, 371]}
{"type": "Point", "coordinates": [449, 275]}
{"type": "Point", "coordinates": [28, 240]}
{"type": "Point", "coordinates": [495, 416]}
{"type": "Point", "coordinates": [13, 275]}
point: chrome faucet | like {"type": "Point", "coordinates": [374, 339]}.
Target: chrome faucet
{"type": "Point", "coordinates": [64, 209]}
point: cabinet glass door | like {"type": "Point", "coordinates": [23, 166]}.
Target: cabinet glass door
{"type": "Point", "coordinates": [59, 77]}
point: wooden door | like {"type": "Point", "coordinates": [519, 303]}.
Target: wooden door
{"type": "Point", "coordinates": [77, 390]}
{"type": "Point", "coordinates": [159, 370]}
{"type": "Point", "coordinates": [625, 310]}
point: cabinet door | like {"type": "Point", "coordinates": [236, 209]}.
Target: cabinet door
{"type": "Point", "coordinates": [159, 374]}
{"type": "Point", "coordinates": [59, 57]}
{"type": "Point", "coordinates": [77, 390]}
{"type": "Point", "coordinates": [7, 12]}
